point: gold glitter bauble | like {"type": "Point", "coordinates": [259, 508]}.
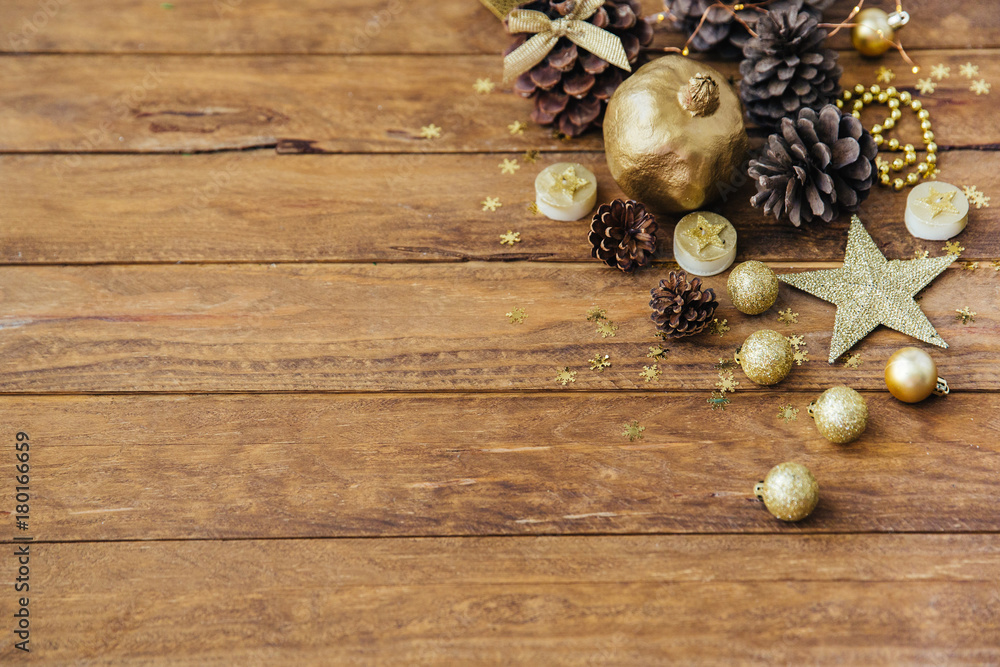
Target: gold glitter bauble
{"type": "Point", "coordinates": [789, 491]}
{"type": "Point", "coordinates": [766, 357]}
{"type": "Point", "coordinates": [753, 287]}
{"type": "Point", "coordinates": [870, 290]}
{"type": "Point", "coordinates": [841, 414]}
{"type": "Point", "coordinates": [874, 30]}
{"type": "Point", "coordinates": [911, 376]}
{"type": "Point", "coordinates": [674, 135]}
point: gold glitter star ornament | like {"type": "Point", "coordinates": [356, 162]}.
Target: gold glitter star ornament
{"type": "Point", "coordinates": [870, 290]}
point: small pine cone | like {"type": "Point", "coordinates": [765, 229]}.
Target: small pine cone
{"type": "Point", "coordinates": [785, 68]}
{"type": "Point", "coordinates": [681, 308]}
{"type": "Point", "coordinates": [623, 235]}
{"type": "Point", "coordinates": [817, 165]}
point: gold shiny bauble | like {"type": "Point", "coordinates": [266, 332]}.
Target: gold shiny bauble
{"type": "Point", "coordinates": [766, 357]}
{"type": "Point", "coordinates": [841, 414]}
{"type": "Point", "coordinates": [674, 135]}
{"type": "Point", "coordinates": [753, 287]}
{"type": "Point", "coordinates": [872, 35]}
{"type": "Point", "coordinates": [789, 491]}
{"type": "Point", "coordinates": [911, 375]}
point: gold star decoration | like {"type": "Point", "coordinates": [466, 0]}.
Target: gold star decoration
{"type": "Point", "coordinates": [870, 290]}
{"type": "Point", "coordinates": [508, 166]}
{"type": "Point", "coordinates": [531, 157]}
{"type": "Point", "coordinates": [607, 329]}
{"type": "Point", "coordinates": [718, 328]}
{"type": "Point", "coordinates": [926, 86]}
{"type": "Point", "coordinates": [727, 382]}
{"type": "Point", "coordinates": [718, 401]}
{"type": "Point", "coordinates": [788, 413]}
{"type": "Point", "coordinates": [970, 266]}
{"type": "Point", "coordinates": [976, 196]}
{"type": "Point", "coordinates": [788, 317]}
{"type": "Point", "coordinates": [799, 356]}
{"type": "Point", "coordinates": [510, 238]}
{"type": "Point", "coordinates": [724, 364]}
{"type": "Point", "coordinates": [594, 313]}
{"type": "Point", "coordinates": [516, 316]}
{"type": "Point", "coordinates": [483, 86]}
{"type": "Point", "coordinates": [705, 234]}
{"type": "Point", "coordinates": [853, 360]}
{"type": "Point", "coordinates": [920, 254]}
{"type": "Point", "coordinates": [650, 373]}
{"type": "Point", "coordinates": [965, 315]}
{"type": "Point", "coordinates": [884, 75]}
{"type": "Point", "coordinates": [517, 127]}
{"type": "Point", "coordinates": [940, 71]}
{"type": "Point", "coordinates": [939, 202]}
{"type": "Point", "coordinates": [569, 182]}
{"type": "Point", "coordinates": [633, 431]}
{"type": "Point", "coordinates": [431, 131]}
{"type": "Point", "coordinates": [533, 208]}
{"type": "Point", "coordinates": [796, 341]}
{"type": "Point", "coordinates": [599, 363]}
{"type": "Point", "coordinates": [565, 376]}
{"type": "Point", "coordinates": [968, 70]}
{"type": "Point", "coordinates": [491, 204]}
{"type": "Point", "coordinates": [980, 87]}
{"type": "Point", "coordinates": [953, 248]}
{"type": "Point", "coordinates": [657, 352]}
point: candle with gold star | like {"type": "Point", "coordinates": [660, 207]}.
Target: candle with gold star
{"type": "Point", "coordinates": [704, 243]}
{"type": "Point", "coordinates": [936, 211]}
{"type": "Point", "coordinates": [565, 191]}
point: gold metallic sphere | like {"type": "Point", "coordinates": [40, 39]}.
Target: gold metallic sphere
{"type": "Point", "coordinates": [766, 357]}
{"type": "Point", "coordinates": [872, 35]}
{"type": "Point", "coordinates": [753, 287]}
{"type": "Point", "coordinates": [841, 414]}
{"type": "Point", "coordinates": [790, 492]}
{"type": "Point", "coordinates": [911, 375]}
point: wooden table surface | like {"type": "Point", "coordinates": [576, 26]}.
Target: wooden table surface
{"type": "Point", "coordinates": [254, 326]}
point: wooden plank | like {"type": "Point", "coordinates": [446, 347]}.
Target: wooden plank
{"type": "Point", "coordinates": [336, 104]}
{"type": "Point", "coordinates": [637, 600]}
{"type": "Point", "coordinates": [414, 327]}
{"type": "Point", "coordinates": [269, 466]}
{"type": "Point", "coordinates": [365, 26]}
{"type": "Point", "coordinates": [258, 207]}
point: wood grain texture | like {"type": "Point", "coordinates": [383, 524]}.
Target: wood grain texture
{"type": "Point", "coordinates": [632, 600]}
{"type": "Point", "coordinates": [258, 207]}
{"type": "Point", "coordinates": [266, 466]}
{"type": "Point", "coordinates": [340, 104]}
{"type": "Point", "coordinates": [363, 26]}
{"type": "Point", "coordinates": [415, 327]}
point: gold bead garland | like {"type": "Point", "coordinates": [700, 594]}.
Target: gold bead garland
{"type": "Point", "coordinates": [892, 98]}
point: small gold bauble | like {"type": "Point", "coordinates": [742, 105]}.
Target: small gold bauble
{"type": "Point", "coordinates": [766, 357]}
{"type": "Point", "coordinates": [841, 414]}
{"type": "Point", "coordinates": [874, 30]}
{"type": "Point", "coordinates": [753, 287]}
{"type": "Point", "coordinates": [911, 376]}
{"type": "Point", "coordinates": [790, 492]}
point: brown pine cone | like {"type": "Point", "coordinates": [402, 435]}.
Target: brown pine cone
{"type": "Point", "coordinates": [681, 308]}
{"type": "Point", "coordinates": [572, 86]}
{"type": "Point", "coordinates": [623, 235]}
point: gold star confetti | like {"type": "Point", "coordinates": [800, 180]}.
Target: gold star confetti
{"type": "Point", "coordinates": [968, 70]}
{"type": "Point", "coordinates": [657, 353]}
{"type": "Point", "coordinates": [533, 208]}
{"type": "Point", "coordinates": [996, 265]}
{"type": "Point", "coordinates": [510, 238]}
{"type": "Point", "coordinates": [650, 373]}
{"type": "Point", "coordinates": [483, 86]}
{"type": "Point", "coordinates": [491, 204]}
{"type": "Point", "coordinates": [569, 182]}
{"type": "Point", "coordinates": [965, 315]}
{"type": "Point", "coordinates": [431, 131]}
{"type": "Point", "coordinates": [884, 75]}
{"type": "Point", "coordinates": [718, 328]}
{"type": "Point", "coordinates": [799, 356]}
{"type": "Point", "coordinates": [853, 360]}
{"type": "Point", "coordinates": [953, 248]}
{"type": "Point", "coordinates": [788, 317]}
{"type": "Point", "coordinates": [565, 376]}
{"type": "Point", "coordinates": [727, 382]}
{"type": "Point", "coordinates": [718, 401]}
{"type": "Point", "coordinates": [531, 157]}
{"type": "Point", "coordinates": [594, 313]}
{"type": "Point", "coordinates": [633, 431]}
{"type": "Point", "coordinates": [508, 166]}
{"type": "Point", "coordinates": [599, 363]}
{"type": "Point", "coordinates": [980, 87]}
{"type": "Point", "coordinates": [796, 341]}
{"type": "Point", "coordinates": [939, 202]}
{"type": "Point", "coordinates": [976, 196]}
{"type": "Point", "coordinates": [517, 127]}
{"type": "Point", "coordinates": [920, 254]}
{"type": "Point", "coordinates": [869, 290]}
{"type": "Point", "coordinates": [926, 86]}
{"type": "Point", "coordinates": [516, 316]}
{"type": "Point", "coordinates": [607, 329]}
{"type": "Point", "coordinates": [725, 364]}
{"type": "Point", "coordinates": [940, 71]}
{"type": "Point", "coordinates": [706, 234]}
{"type": "Point", "coordinates": [970, 266]}
{"type": "Point", "coordinates": [788, 413]}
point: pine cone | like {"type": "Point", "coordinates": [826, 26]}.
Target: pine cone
{"type": "Point", "coordinates": [722, 33]}
{"type": "Point", "coordinates": [681, 308]}
{"type": "Point", "coordinates": [818, 164]}
{"type": "Point", "coordinates": [786, 68]}
{"type": "Point", "coordinates": [572, 86]}
{"type": "Point", "coordinates": [623, 235]}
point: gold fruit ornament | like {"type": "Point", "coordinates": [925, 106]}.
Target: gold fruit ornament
{"type": "Point", "coordinates": [911, 376]}
{"type": "Point", "coordinates": [765, 356]}
{"type": "Point", "coordinates": [674, 135]}
{"type": "Point", "coordinates": [874, 30]}
{"type": "Point", "coordinates": [790, 492]}
{"type": "Point", "coordinates": [840, 413]}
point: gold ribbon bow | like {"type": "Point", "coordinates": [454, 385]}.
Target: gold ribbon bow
{"type": "Point", "coordinates": [573, 26]}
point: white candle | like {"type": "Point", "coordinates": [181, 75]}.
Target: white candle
{"type": "Point", "coordinates": [704, 243]}
{"type": "Point", "coordinates": [565, 191]}
{"type": "Point", "coordinates": [936, 211]}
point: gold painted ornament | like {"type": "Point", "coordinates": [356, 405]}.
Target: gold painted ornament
{"type": "Point", "coordinates": [790, 492]}
{"type": "Point", "coordinates": [840, 413]}
{"type": "Point", "coordinates": [674, 135]}
{"type": "Point", "coordinates": [753, 287]}
{"type": "Point", "coordinates": [766, 357]}
{"type": "Point", "coordinates": [911, 376]}
{"type": "Point", "coordinates": [875, 30]}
